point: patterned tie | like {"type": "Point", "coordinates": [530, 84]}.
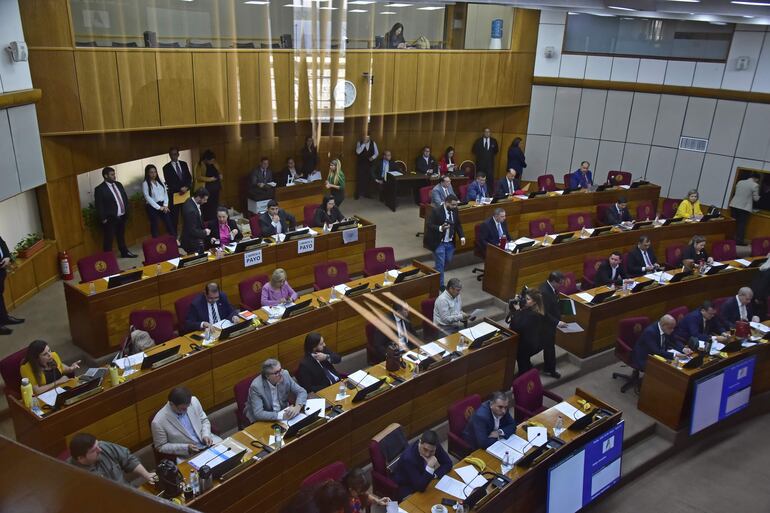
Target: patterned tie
{"type": "Point", "coordinates": [178, 169]}
{"type": "Point", "coordinates": [214, 313]}
{"type": "Point", "coordinates": [121, 206]}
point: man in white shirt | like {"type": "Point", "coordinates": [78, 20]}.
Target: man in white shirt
{"type": "Point", "coordinates": [366, 153]}
{"type": "Point", "coordinates": [111, 204]}
{"type": "Point", "coordinates": [268, 398]}
{"type": "Point", "coordinates": [448, 312]}
{"type": "Point", "coordinates": [742, 204]}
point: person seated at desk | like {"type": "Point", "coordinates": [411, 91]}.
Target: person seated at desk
{"type": "Point", "coordinates": [225, 230]}
{"type": "Point", "coordinates": [448, 312]}
{"type": "Point", "coordinates": [494, 229]}
{"type": "Point", "coordinates": [618, 213]}
{"type": "Point", "coordinates": [478, 188]}
{"type": "Point", "coordinates": [381, 167]}
{"type": "Point", "coordinates": [105, 459]}
{"type": "Point", "coordinates": [260, 180]}
{"type": "Point", "coordinates": [656, 339]}
{"type": "Point", "coordinates": [508, 185]}
{"type": "Point", "coordinates": [359, 498]}
{"type": "Point", "coordinates": [690, 206]}
{"type": "Point", "coordinates": [278, 291]}
{"type": "Point", "coordinates": [289, 174]}
{"type": "Point", "coordinates": [399, 322]}
{"type": "Point", "coordinates": [641, 259]}
{"type": "Point", "coordinates": [327, 213]}
{"type": "Point", "coordinates": [441, 192]}
{"type": "Point", "coordinates": [695, 252]}
{"type": "Point", "coordinates": [528, 320]}
{"type": "Point", "coordinates": [610, 272]}
{"type": "Point", "coordinates": [490, 422]}
{"type": "Point", "coordinates": [447, 164]}
{"type": "Point", "coordinates": [425, 163]}
{"type": "Point", "coordinates": [210, 308]}
{"type": "Point", "coordinates": [700, 324]}
{"type": "Point", "coordinates": [316, 369]}
{"type": "Point", "coordinates": [420, 463]}
{"type": "Point", "coordinates": [269, 393]}
{"type": "Point", "coordinates": [276, 220]}
{"type": "Point", "coordinates": [43, 367]}
{"type": "Point", "coordinates": [181, 427]}
{"type": "Point", "coordinates": [738, 308]}
{"type": "Point", "coordinates": [582, 177]}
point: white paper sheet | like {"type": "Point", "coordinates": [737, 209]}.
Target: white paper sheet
{"type": "Point", "coordinates": [537, 436]}
{"type": "Point", "coordinates": [659, 276]}
{"type": "Point", "coordinates": [523, 240]}
{"type": "Point", "coordinates": [432, 349]}
{"type": "Point", "coordinates": [743, 262]}
{"type": "Point", "coordinates": [759, 326]}
{"type": "Point", "coordinates": [475, 314]}
{"type": "Point", "coordinates": [453, 487]}
{"type": "Point", "coordinates": [413, 357]}
{"type": "Point", "coordinates": [569, 411]}
{"type": "Point", "coordinates": [362, 379]}
{"type": "Point", "coordinates": [571, 327]}
{"type": "Point", "coordinates": [49, 397]}
{"type": "Point", "coordinates": [314, 176]}
{"type": "Point", "coordinates": [314, 405]}
{"type": "Point", "coordinates": [477, 331]}
{"type": "Point", "coordinates": [521, 196]}
{"type": "Point", "coordinates": [395, 173]}
{"type": "Point", "coordinates": [513, 445]}
{"type": "Point", "coordinates": [294, 419]}
{"type": "Point", "coordinates": [585, 296]}
{"type": "Point", "coordinates": [211, 456]}
{"type": "Point", "coordinates": [130, 361]}
{"type": "Point", "coordinates": [393, 273]}
{"type": "Point", "coordinates": [174, 261]}
{"type": "Point", "coordinates": [341, 289]}
{"type": "Point", "coordinates": [223, 324]}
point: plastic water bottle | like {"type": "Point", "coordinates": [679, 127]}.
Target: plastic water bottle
{"type": "Point", "coordinates": [506, 462]}
{"type": "Point", "coordinates": [559, 426]}
{"type": "Point", "coordinates": [91, 288]}
{"type": "Point", "coordinates": [341, 391]}
{"type": "Point", "coordinates": [278, 438]}
{"type": "Point", "coordinates": [158, 269]}
{"type": "Point", "coordinates": [26, 392]}
{"type": "Point", "coordinates": [333, 294]}
{"type": "Point", "coordinates": [195, 482]}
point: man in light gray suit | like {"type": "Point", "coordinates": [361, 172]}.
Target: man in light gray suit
{"type": "Point", "coordinates": [440, 192]}
{"type": "Point", "coordinates": [181, 427]}
{"type": "Point", "coordinates": [742, 204]}
{"type": "Point", "coordinates": [269, 394]}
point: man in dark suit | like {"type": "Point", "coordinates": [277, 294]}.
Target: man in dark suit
{"type": "Point", "coordinates": [550, 292]}
{"type": "Point", "coordinates": [111, 204]}
{"type": "Point", "coordinates": [656, 339]}
{"type": "Point", "coordinates": [288, 174]}
{"type": "Point", "coordinates": [478, 189]}
{"type": "Point", "coordinates": [178, 181]}
{"type": "Point", "coordinates": [420, 463]}
{"type": "Point", "coordinates": [641, 259]}
{"type": "Point", "coordinates": [210, 308]}
{"type": "Point", "coordinates": [316, 369]}
{"type": "Point", "coordinates": [259, 181]}
{"type": "Point", "coordinates": [194, 233]}
{"type": "Point", "coordinates": [610, 272]}
{"type": "Point", "coordinates": [581, 178]}
{"type": "Point", "coordinates": [699, 324]}
{"type": "Point", "coordinates": [425, 163]}
{"type": "Point", "coordinates": [381, 166]}
{"type": "Point", "coordinates": [443, 226]}
{"type": "Point", "coordinates": [485, 148]}
{"type": "Point", "coordinates": [618, 213]}
{"type": "Point", "coordinates": [399, 322]}
{"type": "Point", "coordinates": [494, 229]}
{"type": "Point", "coordinates": [276, 220]}
{"type": "Point", "coordinates": [738, 308]}
{"type": "Point", "coordinates": [507, 185]}
{"type": "Point", "coordinates": [490, 422]}
{"type": "Point", "coordinates": [5, 263]}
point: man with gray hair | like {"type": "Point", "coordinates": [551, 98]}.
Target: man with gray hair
{"type": "Point", "coordinates": [657, 339]}
{"type": "Point", "coordinates": [494, 229]}
{"type": "Point", "coordinates": [490, 422]}
{"type": "Point", "coordinates": [738, 308]}
{"type": "Point", "coordinates": [269, 394]}
{"type": "Point", "coordinates": [448, 312]}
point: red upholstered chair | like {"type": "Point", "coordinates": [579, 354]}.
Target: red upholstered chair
{"type": "Point", "coordinates": [628, 333]}
{"type": "Point", "coordinates": [160, 249]}
{"type": "Point", "coordinates": [384, 450]}
{"type": "Point", "coordinates": [546, 183]}
{"type": "Point", "coordinates": [540, 227]}
{"type": "Point", "coordinates": [426, 309]}
{"type": "Point", "coordinates": [425, 198]}
{"type": "Point", "coordinates": [567, 180]}
{"type": "Point", "coordinates": [241, 393]}
{"type": "Point", "coordinates": [462, 192]}
{"type": "Point", "coordinates": [308, 215]}
{"type": "Point", "coordinates": [578, 221]}
{"type": "Point", "coordinates": [760, 246]}
{"type": "Point", "coordinates": [590, 266]}
{"type": "Point", "coordinates": [158, 323]}
{"type": "Point", "coordinates": [256, 229]}
{"type": "Point", "coordinates": [528, 395]}
{"type": "Point", "coordinates": [674, 255]}
{"type": "Point", "coordinates": [181, 306]}
{"type": "Point", "coordinates": [371, 332]}
{"type": "Point", "coordinates": [723, 250]}
{"type": "Point", "coordinates": [250, 290]}
{"type": "Point", "coordinates": [619, 178]}
{"type": "Point", "coordinates": [9, 370]}
{"type": "Point", "coordinates": [645, 210]}
{"type": "Point", "coordinates": [718, 302]}
{"type": "Point", "coordinates": [97, 266]}
{"type": "Point", "coordinates": [678, 313]}
{"type": "Point", "coordinates": [379, 260]}
{"type": "Point", "coordinates": [331, 472]}
{"type": "Point", "coordinates": [331, 273]}
{"type": "Point", "coordinates": [569, 285]}
{"type": "Point", "coordinates": [669, 207]}
{"type": "Point", "coordinates": [601, 213]}
{"type": "Point", "coordinates": [458, 414]}
{"type": "Point", "coordinates": [468, 168]}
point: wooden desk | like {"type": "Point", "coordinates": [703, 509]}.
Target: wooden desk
{"type": "Point", "coordinates": [294, 198]}
{"type": "Point", "coordinates": [99, 322]}
{"type": "Point", "coordinates": [600, 322]}
{"type": "Point", "coordinates": [553, 206]}
{"type": "Point", "coordinates": [506, 273]}
{"type": "Point", "coordinates": [412, 182]}
{"type": "Point", "coordinates": [528, 490]}
{"type": "Point", "coordinates": [418, 403]}
{"type": "Point", "coordinates": [667, 390]}
{"type": "Point", "coordinates": [121, 414]}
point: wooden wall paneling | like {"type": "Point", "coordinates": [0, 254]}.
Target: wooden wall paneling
{"type": "Point", "coordinates": [46, 266]}
{"type": "Point", "coordinates": [525, 27]}
{"type": "Point", "coordinates": [243, 91]}
{"type": "Point", "coordinates": [22, 284]}
{"type": "Point", "coordinates": [283, 67]}
{"type": "Point", "coordinates": [175, 88]}
{"type": "Point", "coordinates": [46, 23]}
{"type": "Point", "coordinates": [301, 75]}
{"type": "Point", "coordinates": [506, 82]}
{"type": "Point", "coordinates": [382, 89]}
{"type": "Point", "coordinates": [448, 80]}
{"type": "Point", "coordinates": [210, 86]}
{"type": "Point", "coordinates": [405, 82]}
{"type": "Point", "coordinates": [267, 91]}
{"type": "Point", "coordinates": [524, 71]}
{"type": "Point", "coordinates": [67, 221]}
{"type": "Point", "coordinates": [97, 73]}
{"type": "Point", "coordinates": [488, 78]}
{"type": "Point", "coordinates": [53, 71]}
{"type": "Point", "coordinates": [356, 64]}
{"type": "Point", "coordinates": [138, 80]}
{"type": "Point", "coordinates": [470, 65]}
{"type": "Point", "coordinates": [57, 157]}
{"type": "Point", "coordinates": [427, 80]}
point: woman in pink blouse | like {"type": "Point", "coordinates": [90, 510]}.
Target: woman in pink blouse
{"type": "Point", "coordinates": [224, 231]}
{"type": "Point", "coordinates": [278, 291]}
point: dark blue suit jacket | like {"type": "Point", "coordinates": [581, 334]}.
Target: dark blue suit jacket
{"type": "Point", "coordinates": [502, 186]}
{"type": "Point", "coordinates": [692, 326]}
{"type": "Point", "coordinates": [489, 232]}
{"type": "Point", "coordinates": [410, 473]}
{"type": "Point", "coordinates": [476, 192]}
{"type": "Point", "coordinates": [729, 314]}
{"type": "Point", "coordinates": [578, 180]}
{"type": "Point", "coordinates": [482, 423]}
{"type": "Point", "coordinates": [199, 311]}
{"type": "Point", "coordinates": [649, 343]}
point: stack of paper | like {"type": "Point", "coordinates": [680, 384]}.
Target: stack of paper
{"type": "Point", "coordinates": [478, 330]}
{"type": "Point", "coordinates": [395, 173]}
{"type": "Point", "coordinates": [743, 262]}
{"type": "Point", "coordinates": [455, 488]}
{"type": "Point", "coordinates": [314, 405]}
{"type": "Point", "coordinates": [432, 349]}
{"type": "Point", "coordinates": [341, 289]}
{"type": "Point", "coordinates": [362, 379]}
{"type": "Point", "coordinates": [570, 327]}
{"type": "Point", "coordinates": [129, 361]}
{"type": "Point", "coordinates": [212, 456]}
{"type": "Point", "coordinates": [659, 276]}
{"type": "Point", "coordinates": [514, 445]}
{"type": "Point", "coordinates": [471, 476]}
{"type": "Point", "coordinates": [49, 397]}
{"type": "Point", "coordinates": [585, 296]}
{"type": "Point", "coordinates": [569, 411]}
{"type": "Point", "coordinates": [294, 419]}
{"type": "Point", "coordinates": [174, 261]}
{"type": "Point", "coordinates": [760, 327]}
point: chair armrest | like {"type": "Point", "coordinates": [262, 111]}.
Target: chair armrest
{"type": "Point", "coordinates": [524, 411]}
{"type": "Point", "coordinates": [552, 396]}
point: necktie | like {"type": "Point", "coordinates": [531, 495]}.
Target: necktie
{"type": "Point", "coordinates": [214, 313]}
{"type": "Point", "coordinates": [486, 143]}
{"type": "Point", "coordinates": [662, 341]}
{"type": "Point", "coordinates": [510, 187]}
{"type": "Point", "coordinates": [401, 331]}
{"type": "Point", "coordinates": [178, 169]}
{"type": "Point", "coordinates": [119, 198]}
{"type": "Point", "coordinates": [647, 262]}
{"type": "Point", "coordinates": [499, 230]}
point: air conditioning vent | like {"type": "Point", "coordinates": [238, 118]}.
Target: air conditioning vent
{"type": "Point", "coordinates": [693, 144]}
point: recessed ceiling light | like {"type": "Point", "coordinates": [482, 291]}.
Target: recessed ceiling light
{"type": "Point", "coordinates": [620, 8]}
{"type": "Point", "coordinates": [741, 2]}
{"type": "Point", "coordinates": [430, 8]}
{"type": "Point", "coordinates": [257, 2]}
{"type": "Point", "coordinates": [603, 15]}
{"type": "Point", "coordinates": [573, 13]}
{"type": "Point", "coordinates": [749, 17]}
{"type": "Point", "coordinates": [357, 10]}
{"type": "Point", "coordinates": [293, 5]}
{"type": "Point", "coordinates": [399, 5]}
{"type": "Point", "coordinates": [388, 12]}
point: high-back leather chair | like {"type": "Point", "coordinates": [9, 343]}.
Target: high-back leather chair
{"type": "Point", "coordinates": [99, 265]}
{"type": "Point", "coordinates": [384, 450]}
{"type": "Point", "coordinates": [546, 183]}
{"type": "Point", "coordinates": [158, 323]}
{"type": "Point", "coordinates": [250, 291]}
{"type": "Point", "coordinates": [619, 178]}
{"type": "Point", "coordinates": [760, 246]}
{"type": "Point", "coordinates": [331, 273]}
{"type": "Point", "coordinates": [540, 227]}
{"type": "Point", "coordinates": [160, 249]}
{"type": "Point", "coordinates": [528, 393]}
{"type": "Point", "coordinates": [723, 250]}
{"type": "Point", "coordinates": [241, 394]}
{"type": "Point", "coordinates": [458, 414]}
{"type": "Point", "coordinates": [334, 471]}
{"type": "Point", "coordinates": [590, 266]}
{"type": "Point", "coordinates": [379, 260]}
{"type": "Point", "coordinates": [629, 331]}
{"type": "Point", "coordinates": [578, 221]}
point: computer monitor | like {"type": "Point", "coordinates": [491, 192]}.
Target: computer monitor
{"type": "Point", "coordinates": [123, 279]}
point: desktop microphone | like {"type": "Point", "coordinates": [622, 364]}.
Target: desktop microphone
{"type": "Point", "coordinates": [359, 383]}
{"type": "Point", "coordinates": [524, 450]}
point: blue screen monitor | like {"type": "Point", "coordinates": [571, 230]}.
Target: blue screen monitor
{"type": "Point", "coordinates": [721, 394]}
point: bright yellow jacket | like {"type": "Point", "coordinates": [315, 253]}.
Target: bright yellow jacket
{"type": "Point", "coordinates": [687, 209]}
{"type": "Point", "coordinates": [26, 372]}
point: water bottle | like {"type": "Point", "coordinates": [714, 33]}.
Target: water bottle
{"type": "Point", "coordinates": [333, 294]}
{"type": "Point", "coordinates": [460, 508]}
{"type": "Point", "coordinates": [26, 392]}
{"type": "Point", "coordinates": [559, 426]}
{"type": "Point", "coordinates": [207, 335]}
{"type": "Point", "coordinates": [195, 482]}
{"type": "Point", "coordinates": [91, 288]}
{"type": "Point", "coordinates": [341, 391]}
{"type": "Point", "coordinates": [506, 462]}
{"type": "Point", "coordinates": [278, 437]}
{"type": "Point", "coordinates": [158, 269]}
{"type": "Point", "coordinates": [461, 344]}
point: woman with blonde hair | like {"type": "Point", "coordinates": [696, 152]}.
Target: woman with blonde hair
{"type": "Point", "coordinates": [690, 206]}
{"type": "Point", "coordinates": [278, 291]}
{"type": "Point", "coordinates": [335, 182]}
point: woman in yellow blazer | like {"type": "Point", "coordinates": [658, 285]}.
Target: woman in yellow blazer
{"type": "Point", "coordinates": [690, 206]}
{"type": "Point", "coordinates": [43, 367]}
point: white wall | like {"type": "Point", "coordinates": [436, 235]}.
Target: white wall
{"type": "Point", "coordinates": [19, 217]}
{"type": "Point", "coordinates": [478, 26]}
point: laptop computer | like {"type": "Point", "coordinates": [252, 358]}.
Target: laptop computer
{"type": "Point", "coordinates": [600, 230]}
{"type": "Point", "coordinates": [406, 274]}
{"type": "Point", "coordinates": [92, 374]}
{"type": "Point", "coordinates": [124, 279]}
{"type": "Point", "coordinates": [671, 220]}
{"type": "Point", "coordinates": [641, 224]}
{"type": "Point", "coordinates": [192, 260]}
{"type": "Point", "coordinates": [295, 428]}
{"type": "Point", "coordinates": [226, 466]}
{"type": "Point", "coordinates": [641, 285]}
{"type": "Point", "coordinates": [600, 188]}
{"type": "Point", "coordinates": [297, 234]}
{"type": "Point", "coordinates": [535, 194]}
{"type": "Point", "coordinates": [680, 276]}
{"type": "Point", "coordinates": [345, 224]}
{"type": "Point", "coordinates": [518, 248]}
{"type": "Point", "coordinates": [358, 289]}
{"type": "Point", "coordinates": [602, 297]}
{"type": "Point", "coordinates": [76, 393]}
{"type": "Point", "coordinates": [361, 394]}
{"type": "Point", "coordinates": [150, 360]}
{"type": "Point", "coordinates": [236, 329]}
{"type": "Point", "coordinates": [757, 262]}
{"type": "Point", "coordinates": [296, 308]}
{"type": "Point", "coordinates": [694, 362]}
{"type": "Point", "coordinates": [714, 268]}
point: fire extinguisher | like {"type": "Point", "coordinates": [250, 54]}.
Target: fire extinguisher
{"type": "Point", "coordinates": [64, 264]}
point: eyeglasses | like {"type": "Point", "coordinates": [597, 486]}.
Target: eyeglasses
{"type": "Point", "coordinates": [275, 373]}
